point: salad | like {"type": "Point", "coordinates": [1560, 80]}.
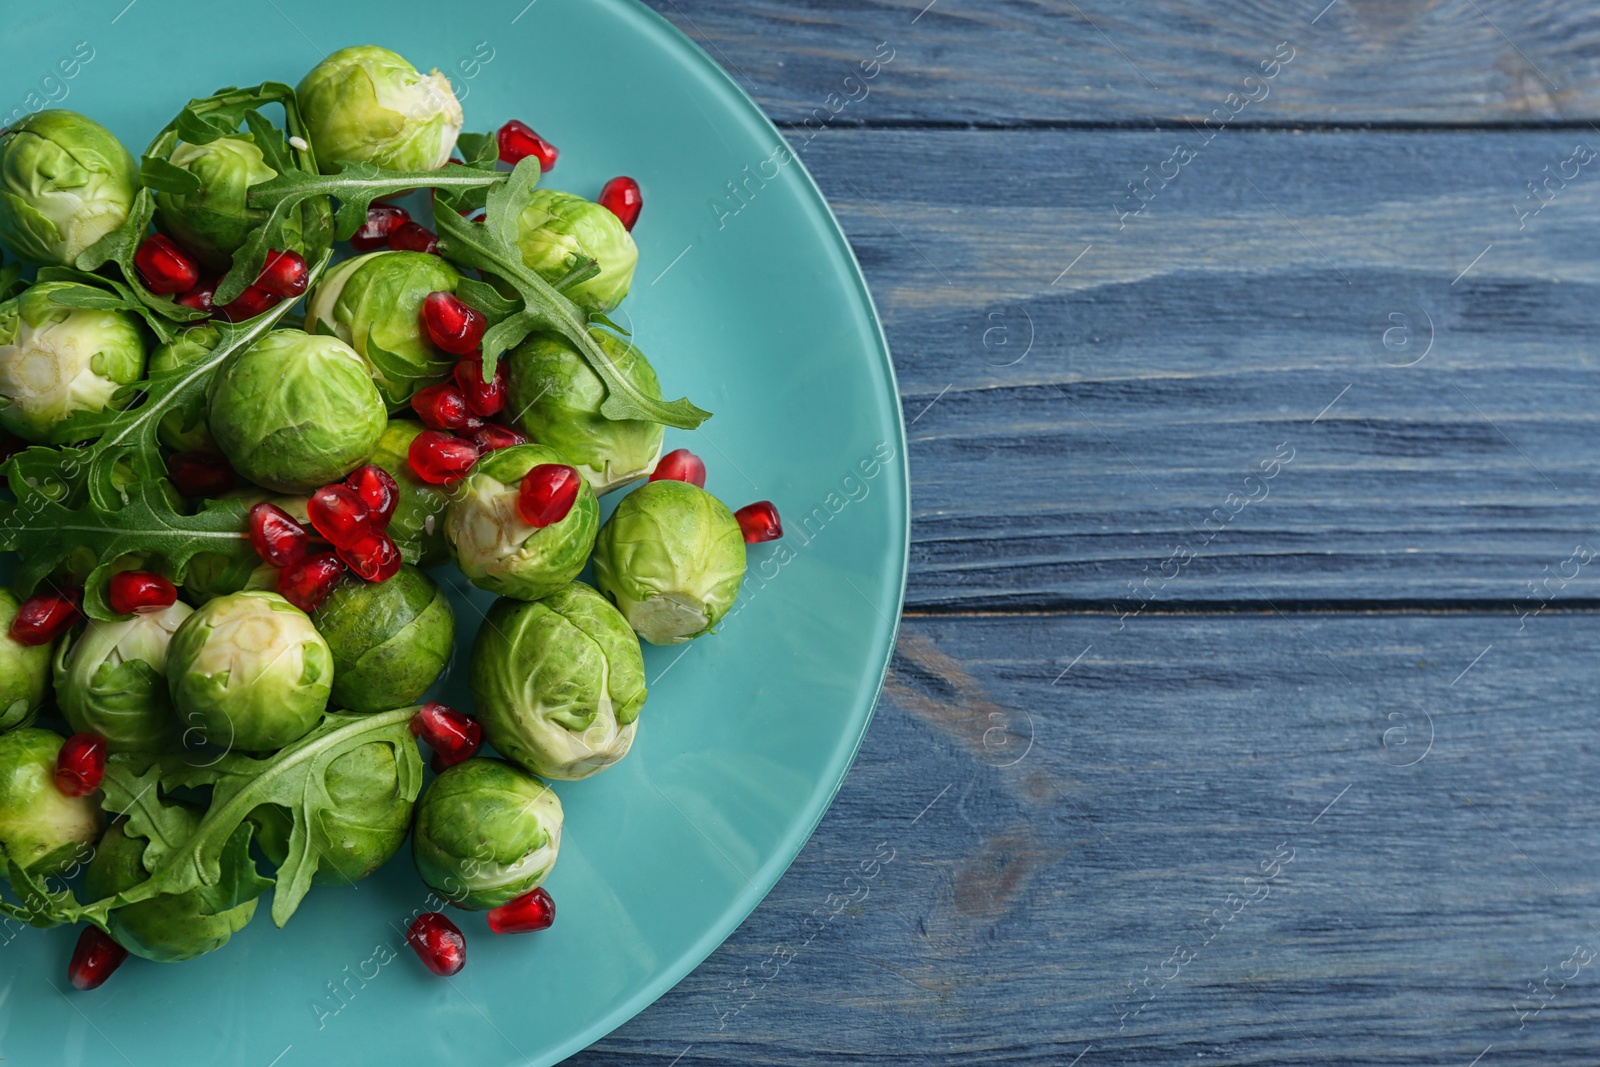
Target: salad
{"type": "Point", "coordinates": [240, 459]}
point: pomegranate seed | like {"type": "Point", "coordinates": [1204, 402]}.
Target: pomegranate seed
{"type": "Point", "coordinates": [165, 267]}
{"type": "Point", "coordinates": [528, 913]}
{"type": "Point", "coordinates": [275, 536]}
{"type": "Point", "coordinates": [760, 522]}
{"type": "Point", "coordinates": [252, 302]}
{"type": "Point", "coordinates": [548, 493]}
{"type": "Point", "coordinates": [285, 274]}
{"type": "Point", "coordinates": [492, 437]}
{"type": "Point", "coordinates": [200, 474]}
{"type": "Point", "coordinates": [372, 555]}
{"type": "Point", "coordinates": [409, 237]}
{"type": "Point", "coordinates": [139, 592]}
{"type": "Point", "coordinates": [483, 398]}
{"type": "Point", "coordinates": [622, 198]}
{"type": "Point", "coordinates": [43, 617]}
{"type": "Point", "coordinates": [451, 734]}
{"type": "Point", "coordinates": [10, 445]}
{"type": "Point", "coordinates": [680, 465]}
{"type": "Point", "coordinates": [382, 220]}
{"type": "Point", "coordinates": [95, 959]}
{"type": "Point", "coordinates": [438, 943]}
{"type": "Point", "coordinates": [441, 407]}
{"type": "Point", "coordinates": [338, 513]}
{"type": "Point", "coordinates": [518, 141]}
{"type": "Point", "coordinates": [452, 325]}
{"type": "Point", "coordinates": [378, 489]}
{"type": "Point", "coordinates": [439, 459]}
{"type": "Point", "coordinates": [81, 764]}
{"type": "Point", "coordinates": [306, 584]}
{"type": "Point", "coordinates": [200, 296]}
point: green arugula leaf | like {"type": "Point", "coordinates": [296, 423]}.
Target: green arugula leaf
{"type": "Point", "coordinates": [122, 244]}
{"type": "Point", "coordinates": [104, 294]}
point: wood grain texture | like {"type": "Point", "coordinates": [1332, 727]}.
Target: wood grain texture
{"type": "Point", "coordinates": [1429, 882]}
{"type": "Point", "coordinates": [1017, 62]}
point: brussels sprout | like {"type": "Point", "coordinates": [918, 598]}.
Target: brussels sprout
{"type": "Point", "coordinates": [250, 671]}
{"type": "Point", "coordinates": [111, 680]}
{"type": "Point", "coordinates": [366, 104]}
{"type": "Point", "coordinates": [555, 398]}
{"type": "Point", "coordinates": [185, 431]}
{"type": "Point", "coordinates": [65, 182]}
{"type": "Point", "coordinates": [294, 412]}
{"type": "Point", "coordinates": [389, 639]}
{"type": "Point", "coordinates": [558, 683]}
{"type": "Point", "coordinates": [41, 829]}
{"type": "Point", "coordinates": [671, 558]}
{"type": "Point", "coordinates": [24, 671]}
{"type": "Point", "coordinates": [167, 928]}
{"type": "Point", "coordinates": [56, 360]}
{"type": "Point", "coordinates": [556, 228]}
{"type": "Point", "coordinates": [417, 525]}
{"type": "Point", "coordinates": [486, 833]}
{"type": "Point", "coordinates": [373, 303]}
{"type": "Point", "coordinates": [500, 552]}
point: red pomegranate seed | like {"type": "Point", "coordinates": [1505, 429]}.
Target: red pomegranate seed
{"type": "Point", "coordinates": [518, 141]}
{"type": "Point", "coordinates": [680, 465]}
{"type": "Point", "coordinates": [285, 274]}
{"type": "Point", "coordinates": [409, 237]}
{"type": "Point", "coordinates": [372, 554]}
{"type": "Point", "coordinates": [438, 943]}
{"type": "Point", "coordinates": [338, 513]}
{"type": "Point", "coordinates": [548, 493]}
{"type": "Point", "coordinates": [139, 592]}
{"type": "Point", "coordinates": [622, 198]}
{"type": "Point", "coordinates": [378, 489]}
{"type": "Point", "coordinates": [95, 959]}
{"type": "Point", "coordinates": [247, 305]}
{"type": "Point", "coordinates": [306, 584]}
{"type": "Point", "coordinates": [492, 437]}
{"type": "Point", "coordinates": [483, 398]}
{"type": "Point", "coordinates": [760, 522]}
{"type": "Point", "coordinates": [275, 536]}
{"type": "Point", "coordinates": [43, 617]}
{"type": "Point", "coordinates": [454, 737]}
{"type": "Point", "coordinates": [439, 459]}
{"type": "Point", "coordinates": [382, 220]}
{"type": "Point", "coordinates": [528, 913]}
{"type": "Point", "coordinates": [441, 407]}
{"type": "Point", "coordinates": [81, 764]}
{"type": "Point", "coordinates": [200, 296]}
{"type": "Point", "coordinates": [165, 268]}
{"type": "Point", "coordinates": [453, 326]}
{"type": "Point", "coordinates": [200, 474]}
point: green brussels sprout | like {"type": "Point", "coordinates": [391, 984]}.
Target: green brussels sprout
{"type": "Point", "coordinates": [56, 360]}
{"type": "Point", "coordinates": [417, 525]}
{"type": "Point", "coordinates": [250, 671]}
{"type": "Point", "coordinates": [294, 412]}
{"type": "Point", "coordinates": [486, 833]}
{"type": "Point", "coordinates": [500, 552]}
{"type": "Point", "coordinates": [169, 928]}
{"type": "Point", "coordinates": [42, 830]}
{"type": "Point", "coordinates": [112, 680]}
{"type": "Point", "coordinates": [185, 430]}
{"type": "Point", "coordinates": [373, 303]}
{"type": "Point", "coordinates": [365, 104]}
{"type": "Point", "coordinates": [389, 639]}
{"type": "Point", "coordinates": [556, 228]}
{"type": "Point", "coordinates": [555, 398]}
{"type": "Point", "coordinates": [558, 683]}
{"type": "Point", "coordinates": [671, 558]}
{"type": "Point", "coordinates": [24, 671]}
{"type": "Point", "coordinates": [65, 182]}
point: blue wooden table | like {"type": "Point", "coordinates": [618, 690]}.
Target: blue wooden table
{"type": "Point", "coordinates": [1245, 704]}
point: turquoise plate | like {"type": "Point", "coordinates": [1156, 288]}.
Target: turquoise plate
{"type": "Point", "coordinates": [751, 305]}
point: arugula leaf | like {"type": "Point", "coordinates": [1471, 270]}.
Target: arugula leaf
{"type": "Point", "coordinates": [119, 247]}
{"type": "Point", "coordinates": [104, 294]}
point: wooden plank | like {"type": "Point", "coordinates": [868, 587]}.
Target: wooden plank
{"type": "Point", "coordinates": [1416, 889]}
{"type": "Point", "coordinates": [1089, 396]}
{"type": "Point", "coordinates": [1098, 61]}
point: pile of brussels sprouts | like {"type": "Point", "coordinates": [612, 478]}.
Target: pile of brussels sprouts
{"type": "Point", "coordinates": [225, 516]}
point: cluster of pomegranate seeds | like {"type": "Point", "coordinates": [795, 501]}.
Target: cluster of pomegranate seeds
{"type": "Point", "coordinates": [95, 959]}
{"type": "Point", "coordinates": [759, 522]}
{"type": "Point", "coordinates": [439, 458]}
{"type": "Point", "coordinates": [528, 913]}
{"type": "Point", "coordinates": [382, 220]}
{"type": "Point", "coordinates": [484, 398]}
{"type": "Point", "coordinates": [80, 765]}
{"type": "Point", "coordinates": [438, 943]}
{"type": "Point", "coordinates": [165, 268]}
{"type": "Point", "coordinates": [275, 536]}
{"type": "Point", "coordinates": [453, 736]}
{"type": "Point", "coordinates": [453, 326]}
{"type": "Point", "coordinates": [168, 269]}
{"type": "Point", "coordinates": [622, 198]}
{"type": "Point", "coordinates": [307, 583]}
{"type": "Point", "coordinates": [285, 274]}
{"type": "Point", "coordinates": [353, 517]}
{"type": "Point", "coordinates": [547, 494]}
{"type": "Point", "coordinates": [201, 474]}
{"type": "Point", "coordinates": [43, 617]}
{"type": "Point", "coordinates": [139, 592]}
{"type": "Point", "coordinates": [443, 407]}
{"type": "Point", "coordinates": [680, 465]}
{"type": "Point", "coordinates": [411, 237]}
{"type": "Point", "coordinates": [491, 437]}
{"type": "Point", "coordinates": [518, 141]}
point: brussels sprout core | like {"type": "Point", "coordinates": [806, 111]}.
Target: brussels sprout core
{"type": "Point", "coordinates": [486, 833]}
{"type": "Point", "coordinates": [65, 182]}
{"type": "Point", "coordinates": [57, 360]}
{"type": "Point", "coordinates": [41, 829]}
{"type": "Point", "coordinates": [366, 104]}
